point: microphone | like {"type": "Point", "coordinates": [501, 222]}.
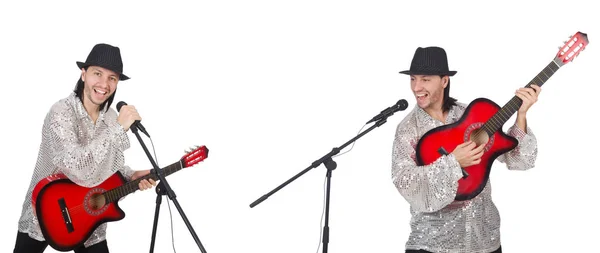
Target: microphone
{"type": "Point", "coordinates": [401, 105]}
{"type": "Point", "coordinates": [136, 123]}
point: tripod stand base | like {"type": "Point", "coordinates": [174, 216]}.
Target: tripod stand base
{"type": "Point", "coordinates": [160, 192]}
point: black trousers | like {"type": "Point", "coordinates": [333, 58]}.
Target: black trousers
{"type": "Point", "coordinates": [26, 244]}
{"type": "Point", "coordinates": [499, 250]}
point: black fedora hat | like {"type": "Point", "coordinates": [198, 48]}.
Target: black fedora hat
{"type": "Point", "coordinates": [429, 61]}
{"type": "Point", "coordinates": [106, 56]}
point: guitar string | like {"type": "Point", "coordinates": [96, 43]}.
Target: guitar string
{"type": "Point", "coordinates": [109, 198]}
{"type": "Point", "coordinates": [111, 195]}
{"type": "Point", "coordinates": [495, 121]}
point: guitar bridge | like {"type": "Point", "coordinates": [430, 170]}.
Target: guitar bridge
{"type": "Point", "coordinates": [66, 215]}
{"type": "Point", "coordinates": [443, 151]}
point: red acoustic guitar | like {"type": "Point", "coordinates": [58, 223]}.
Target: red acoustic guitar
{"type": "Point", "coordinates": [482, 123]}
{"type": "Point", "coordinates": [69, 213]}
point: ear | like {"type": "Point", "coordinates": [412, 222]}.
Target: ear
{"type": "Point", "coordinates": [445, 81]}
{"type": "Point", "coordinates": [82, 74]}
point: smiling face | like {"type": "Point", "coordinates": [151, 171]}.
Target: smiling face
{"type": "Point", "coordinates": [99, 84]}
{"type": "Point", "coordinates": [429, 91]}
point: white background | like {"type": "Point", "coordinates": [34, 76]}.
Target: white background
{"type": "Point", "coordinates": [271, 86]}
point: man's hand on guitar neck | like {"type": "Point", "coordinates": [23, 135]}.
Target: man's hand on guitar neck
{"type": "Point", "coordinates": [146, 183]}
{"type": "Point", "coordinates": [529, 96]}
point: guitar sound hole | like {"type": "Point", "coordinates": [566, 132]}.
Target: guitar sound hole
{"type": "Point", "coordinates": [480, 137]}
{"type": "Point", "coordinates": [97, 201]}
{"type": "Point", "coordinates": [475, 133]}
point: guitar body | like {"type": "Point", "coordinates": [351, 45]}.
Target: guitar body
{"type": "Point", "coordinates": [68, 213]}
{"type": "Point", "coordinates": [467, 128]}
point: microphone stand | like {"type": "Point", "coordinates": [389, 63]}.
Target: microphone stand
{"type": "Point", "coordinates": [163, 188]}
{"type": "Point", "coordinates": [331, 165]}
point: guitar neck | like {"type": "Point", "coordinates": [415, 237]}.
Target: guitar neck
{"type": "Point", "coordinates": [132, 186]}
{"type": "Point", "coordinates": [497, 121]}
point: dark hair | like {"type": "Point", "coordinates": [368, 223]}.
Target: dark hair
{"type": "Point", "coordinates": [79, 93]}
{"type": "Point", "coordinates": [448, 101]}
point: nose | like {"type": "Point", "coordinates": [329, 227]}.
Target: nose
{"type": "Point", "coordinates": [103, 82]}
{"type": "Point", "coordinates": [416, 85]}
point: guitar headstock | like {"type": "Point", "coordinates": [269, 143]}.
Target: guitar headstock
{"type": "Point", "coordinates": [571, 48]}
{"type": "Point", "coordinates": [194, 155]}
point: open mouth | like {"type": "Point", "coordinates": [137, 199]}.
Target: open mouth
{"type": "Point", "coordinates": [99, 92]}
{"type": "Point", "coordinates": [422, 96]}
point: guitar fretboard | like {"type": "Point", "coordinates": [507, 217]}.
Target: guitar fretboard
{"type": "Point", "coordinates": [496, 122]}
{"type": "Point", "coordinates": [132, 186]}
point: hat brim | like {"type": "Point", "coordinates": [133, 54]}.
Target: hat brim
{"type": "Point", "coordinates": [408, 72]}
{"type": "Point", "coordinates": [81, 65]}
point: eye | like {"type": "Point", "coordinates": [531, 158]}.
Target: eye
{"type": "Point", "coordinates": [97, 73]}
{"type": "Point", "coordinates": [113, 79]}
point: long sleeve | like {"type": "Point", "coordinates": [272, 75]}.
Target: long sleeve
{"type": "Point", "coordinates": [127, 172]}
{"type": "Point", "coordinates": [86, 163]}
{"type": "Point", "coordinates": [523, 156]}
{"type": "Point", "coordinates": [426, 188]}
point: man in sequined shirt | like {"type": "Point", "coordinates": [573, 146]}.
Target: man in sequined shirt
{"type": "Point", "coordinates": [83, 138]}
{"type": "Point", "coordinates": [439, 223]}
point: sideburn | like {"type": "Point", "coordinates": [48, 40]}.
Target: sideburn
{"type": "Point", "coordinates": [448, 101]}
{"type": "Point", "coordinates": [79, 94]}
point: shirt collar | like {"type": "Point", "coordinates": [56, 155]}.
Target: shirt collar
{"type": "Point", "coordinates": [80, 110]}
{"type": "Point", "coordinates": [423, 116]}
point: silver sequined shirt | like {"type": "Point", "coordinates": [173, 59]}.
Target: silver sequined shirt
{"type": "Point", "coordinates": [438, 222]}
{"type": "Point", "coordinates": [85, 152]}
